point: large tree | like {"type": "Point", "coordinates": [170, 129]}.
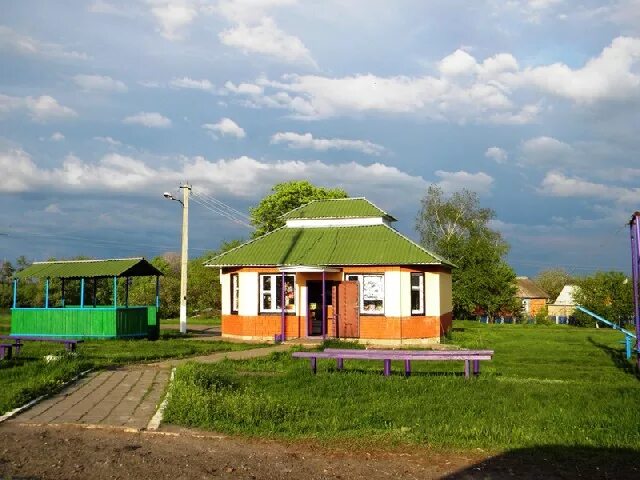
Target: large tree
{"type": "Point", "coordinates": [286, 196]}
{"type": "Point", "coordinates": [609, 294]}
{"type": "Point", "coordinates": [456, 227]}
{"type": "Point", "coordinates": [553, 280]}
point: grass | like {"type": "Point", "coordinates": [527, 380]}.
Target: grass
{"type": "Point", "coordinates": [210, 321]}
{"type": "Point", "coordinates": [27, 376]}
{"type": "Point", "coordinates": [547, 385]}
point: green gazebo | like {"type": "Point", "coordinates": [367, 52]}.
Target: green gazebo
{"type": "Point", "coordinates": [87, 321]}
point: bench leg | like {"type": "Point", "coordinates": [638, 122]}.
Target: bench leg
{"type": "Point", "coordinates": [18, 346]}
{"type": "Point", "coordinates": [407, 368]}
{"type": "Point", "coordinates": [5, 352]}
{"type": "Point", "coordinates": [476, 367]}
{"type": "Point", "coordinates": [339, 363]}
{"type": "Point", "coordinates": [387, 368]}
{"type": "Point", "coordinates": [314, 365]}
{"type": "Point", "coordinates": [466, 368]}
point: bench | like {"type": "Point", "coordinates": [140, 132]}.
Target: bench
{"type": "Point", "coordinates": [69, 344]}
{"type": "Point", "coordinates": [471, 358]}
{"type": "Point", "coordinates": [5, 351]}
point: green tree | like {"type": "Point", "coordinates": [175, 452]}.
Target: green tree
{"type": "Point", "coordinates": [286, 196]}
{"type": "Point", "coordinates": [457, 228]}
{"type": "Point", "coordinates": [6, 284]}
{"type": "Point", "coordinates": [553, 280]}
{"type": "Point", "coordinates": [609, 294]}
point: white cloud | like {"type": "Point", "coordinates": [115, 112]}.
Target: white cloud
{"type": "Point", "coordinates": [53, 208]}
{"type": "Point", "coordinates": [541, 151]}
{"type": "Point", "coordinates": [557, 184]}
{"type": "Point", "coordinates": [114, 172]}
{"type": "Point", "coordinates": [497, 154]}
{"type": "Point", "coordinates": [24, 44]}
{"type": "Point", "coordinates": [243, 88]}
{"type": "Point", "coordinates": [108, 140]}
{"type": "Point", "coordinates": [100, 83]}
{"type": "Point", "coordinates": [454, 181]}
{"type": "Point", "coordinates": [173, 18]}
{"type": "Point", "coordinates": [57, 137]}
{"type": "Point", "coordinates": [266, 38]}
{"type": "Point", "coordinates": [306, 140]}
{"type": "Point", "coordinates": [104, 7]}
{"type": "Point", "coordinates": [148, 119]}
{"type": "Point", "coordinates": [226, 127]}
{"type": "Point", "coordinates": [248, 11]}
{"type": "Point", "coordinates": [186, 82]}
{"type": "Point", "coordinates": [46, 108]}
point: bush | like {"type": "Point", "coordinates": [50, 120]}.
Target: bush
{"type": "Point", "coordinates": [542, 317]}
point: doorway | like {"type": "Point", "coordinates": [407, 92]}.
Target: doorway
{"type": "Point", "coordinates": [315, 326]}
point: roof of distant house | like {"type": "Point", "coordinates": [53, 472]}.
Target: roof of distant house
{"type": "Point", "coordinates": [566, 296]}
{"type": "Point", "coordinates": [527, 288]}
{"type": "Point", "coordinates": [338, 208]}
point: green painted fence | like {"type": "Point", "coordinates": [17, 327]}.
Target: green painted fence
{"type": "Point", "coordinates": [99, 322]}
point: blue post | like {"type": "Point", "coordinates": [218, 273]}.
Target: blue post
{"type": "Point", "coordinates": [46, 293]}
{"type": "Point", "coordinates": [627, 342]}
{"type": "Point", "coordinates": [157, 292]}
{"type": "Point", "coordinates": [82, 293]}
{"type": "Point", "coordinates": [115, 292]}
{"type": "Point", "coordinates": [15, 293]}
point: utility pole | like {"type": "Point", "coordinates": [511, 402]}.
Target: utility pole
{"type": "Point", "coordinates": [184, 260]}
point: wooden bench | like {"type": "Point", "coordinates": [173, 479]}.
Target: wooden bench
{"type": "Point", "coordinates": [69, 344]}
{"type": "Point", "coordinates": [471, 358]}
{"type": "Point", "coordinates": [5, 351]}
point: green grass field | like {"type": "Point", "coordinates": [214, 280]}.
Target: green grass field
{"type": "Point", "coordinates": [26, 376]}
{"type": "Point", "coordinates": [547, 385]}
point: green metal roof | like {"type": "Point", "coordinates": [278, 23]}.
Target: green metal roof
{"type": "Point", "coordinates": [119, 267]}
{"type": "Point", "coordinates": [338, 208]}
{"type": "Point", "coordinates": [363, 245]}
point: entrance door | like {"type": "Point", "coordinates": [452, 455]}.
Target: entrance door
{"type": "Point", "coordinates": [348, 310]}
{"type": "Point", "coordinates": [314, 306]}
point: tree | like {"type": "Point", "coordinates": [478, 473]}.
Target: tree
{"type": "Point", "coordinates": [609, 294]}
{"type": "Point", "coordinates": [553, 280]}
{"type": "Point", "coordinates": [457, 228]}
{"type": "Point", "coordinates": [286, 196]}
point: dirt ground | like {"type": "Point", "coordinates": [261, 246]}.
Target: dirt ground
{"type": "Point", "coordinates": [72, 452]}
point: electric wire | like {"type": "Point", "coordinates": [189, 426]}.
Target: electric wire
{"type": "Point", "coordinates": [223, 205]}
{"type": "Point", "coordinates": [220, 211]}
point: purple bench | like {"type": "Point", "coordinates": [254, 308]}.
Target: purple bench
{"type": "Point", "coordinates": [5, 351]}
{"type": "Point", "coordinates": [69, 344]}
{"type": "Point", "coordinates": [471, 358]}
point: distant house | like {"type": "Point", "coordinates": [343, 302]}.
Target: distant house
{"type": "Point", "coordinates": [565, 305]}
{"type": "Point", "coordinates": [533, 298]}
{"type": "Point", "coordinates": [337, 269]}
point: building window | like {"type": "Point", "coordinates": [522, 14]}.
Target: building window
{"type": "Point", "coordinates": [417, 294]}
{"type": "Point", "coordinates": [235, 293]}
{"type": "Point", "coordinates": [371, 293]}
{"type": "Point", "coordinates": [271, 293]}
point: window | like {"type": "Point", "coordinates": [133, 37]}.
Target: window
{"type": "Point", "coordinates": [235, 293]}
{"type": "Point", "coordinates": [417, 294]}
{"type": "Point", "coordinates": [371, 293]}
{"type": "Point", "coordinates": [271, 293]}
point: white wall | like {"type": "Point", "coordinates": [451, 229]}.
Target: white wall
{"type": "Point", "coordinates": [432, 305]}
{"type": "Point", "coordinates": [392, 294]}
{"type": "Point", "coordinates": [405, 294]}
{"type": "Point", "coordinates": [446, 293]}
{"type": "Point", "coordinates": [225, 289]}
{"type": "Point", "coordinates": [249, 292]}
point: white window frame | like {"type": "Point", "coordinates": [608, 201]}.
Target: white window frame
{"type": "Point", "coordinates": [360, 278]}
{"type": "Point", "coordinates": [235, 292]}
{"type": "Point", "coordinates": [273, 292]}
{"type": "Point", "coordinates": [417, 288]}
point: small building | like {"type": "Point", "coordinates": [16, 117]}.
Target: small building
{"type": "Point", "coordinates": [533, 298]}
{"type": "Point", "coordinates": [85, 318]}
{"type": "Point", "coordinates": [337, 269]}
{"type": "Point", "coordinates": [565, 305]}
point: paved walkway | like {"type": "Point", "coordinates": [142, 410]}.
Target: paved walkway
{"type": "Point", "coordinates": [125, 397]}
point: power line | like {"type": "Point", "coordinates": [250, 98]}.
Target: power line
{"type": "Point", "coordinates": [215, 208]}
{"type": "Point", "coordinates": [223, 205]}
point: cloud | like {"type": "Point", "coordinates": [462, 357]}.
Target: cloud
{"type": "Point", "coordinates": [173, 18]}
{"type": "Point", "coordinates": [57, 137]}
{"type": "Point", "coordinates": [148, 119]}
{"type": "Point", "coordinates": [557, 184]}
{"type": "Point", "coordinates": [248, 11]}
{"type": "Point", "coordinates": [26, 45]}
{"type": "Point", "coordinates": [266, 38]}
{"type": "Point", "coordinates": [99, 83]}
{"type": "Point", "coordinates": [41, 109]}
{"type": "Point", "coordinates": [226, 127]}
{"type": "Point", "coordinates": [186, 82]}
{"type": "Point", "coordinates": [243, 88]}
{"type": "Point", "coordinates": [454, 181]}
{"type": "Point", "coordinates": [497, 154]}
{"type": "Point", "coordinates": [119, 173]}
{"type": "Point", "coordinates": [53, 208]}
{"type": "Point", "coordinates": [108, 140]}
{"type": "Point", "coordinates": [306, 140]}
{"type": "Point", "coordinates": [543, 150]}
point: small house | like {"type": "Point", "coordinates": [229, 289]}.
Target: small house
{"type": "Point", "coordinates": [336, 269]}
{"type": "Point", "coordinates": [533, 298]}
{"type": "Point", "coordinates": [564, 306]}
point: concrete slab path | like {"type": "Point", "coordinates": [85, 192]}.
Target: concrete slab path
{"type": "Point", "coordinates": [125, 397]}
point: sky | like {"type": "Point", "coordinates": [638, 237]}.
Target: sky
{"type": "Point", "coordinates": [105, 105]}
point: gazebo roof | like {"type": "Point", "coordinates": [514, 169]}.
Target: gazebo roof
{"type": "Point", "coordinates": [113, 267]}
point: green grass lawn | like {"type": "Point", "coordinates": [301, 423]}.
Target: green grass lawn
{"type": "Point", "coordinates": [547, 385]}
{"type": "Point", "coordinates": [26, 376]}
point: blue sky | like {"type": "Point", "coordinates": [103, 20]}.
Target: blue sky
{"type": "Point", "coordinates": [105, 105]}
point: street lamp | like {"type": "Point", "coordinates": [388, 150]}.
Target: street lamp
{"type": "Point", "coordinates": [184, 259]}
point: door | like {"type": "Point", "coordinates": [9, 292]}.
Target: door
{"type": "Point", "coordinates": [348, 310]}
{"type": "Point", "coordinates": [314, 306]}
